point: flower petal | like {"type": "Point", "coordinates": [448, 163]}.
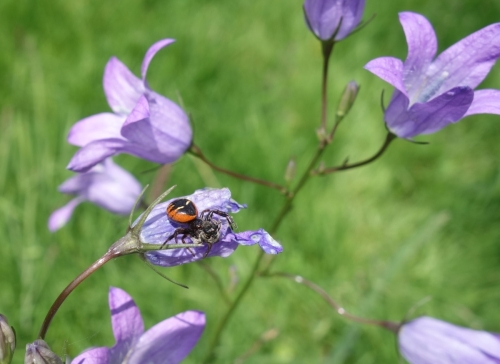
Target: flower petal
{"type": "Point", "coordinates": [126, 321]}
{"type": "Point", "coordinates": [97, 151]}
{"type": "Point", "coordinates": [151, 53]}
{"type": "Point", "coordinates": [61, 216]}
{"type": "Point", "coordinates": [422, 48]}
{"type": "Point", "coordinates": [95, 127]}
{"type": "Point", "coordinates": [323, 16]}
{"type": "Point", "coordinates": [467, 62]}
{"type": "Point", "coordinates": [93, 356]}
{"type": "Point", "coordinates": [429, 117]}
{"type": "Point", "coordinates": [121, 87]}
{"type": "Point", "coordinates": [261, 237]}
{"type": "Point", "coordinates": [171, 340]}
{"type": "Point", "coordinates": [352, 11]}
{"type": "Point", "coordinates": [390, 70]}
{"type": "Point", "coordinates": [485, 102]}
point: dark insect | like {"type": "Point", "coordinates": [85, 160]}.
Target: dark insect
{"type": "Point", "coordinates": [204, 229]}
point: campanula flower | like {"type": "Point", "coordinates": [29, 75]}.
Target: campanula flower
{"type": "Point", "coordinates": [430, 92]}
{"type": "Point", "coordinates": [7, 341]}
{"type": "Point", "coordinates": [169, 341]}
{"type": "Point", "coordinates": [39, 353]}
{"type": "Point", "coordinates": [143, 123]}
{"type": "Point", "coordinates": [427, 340]}
{"type": "Point", "coordinates": [329, 18]}
{"type": "Point", "coordinates": [106, 185]}
{"type": "Point", "coordinates": [158, 227]}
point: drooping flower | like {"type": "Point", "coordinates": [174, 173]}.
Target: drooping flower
{"type": "Point", "coordinates": [427, 340]}
{"type": "Point", "coordinates": [107, 185]}
{"type": "Point", "coordinates": [326, 18]}
{"type": "Point", "coordinates": [143, 123]}
{"type": "Point", "coordinates": [158, 227]}
{"type": "Point", "coordinates": [7, 341]}
{"type": "Point", "coordinates": [432, 93]}
{"type": "Point", "coordinates": [169, 341]}
{"type": "Point", "coordinates": [39, 353]}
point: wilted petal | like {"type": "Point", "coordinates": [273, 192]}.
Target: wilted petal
{"type": "Point", "coordinates": [261, 237]}
{"type": "Point", "coordinates": [485, 102]}
{"type": "Point", "coordinates": [151, 53]}
{"type": "Point", "coordinates": [61, 216]}
{"type": "Point", "coordinates": [429, 117]}
{"type": "Point", "coordinates": [467, 62]}
{"type": "Point", "coordinates": [390, 70]}
{"type": "Point", "coordinates": [426, 340]}
{"type": "Point", "coordinates": [171, 340]}
{"type": "Point", "coordinates": [121, 87]}
{"type": "Point", "coordinates": [93, 356]}
{"type": "Point", "coordinates": [422, 47]}
{"type": "Point", "coordinates": [91, 154]}
{"type": "Point", "coordinates": [95, 127]}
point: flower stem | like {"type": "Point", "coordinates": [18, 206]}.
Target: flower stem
{"type": "Point", "coordinates": [196, 151]}
{"type": "Point", "coordinates": [327, 51]}
{"type": "Point", "coordinates": [66, 292]}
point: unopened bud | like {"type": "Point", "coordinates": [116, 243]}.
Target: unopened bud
{"type": "Point", "coordinates": [347, 99]}
{"type": "Point", "coordinates": [7, 341]}
{"type": "Point", "coordinates": [291, 168]}
{"type": "Point", "coordinates": [40, 353]}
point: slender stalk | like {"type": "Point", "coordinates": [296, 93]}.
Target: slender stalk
{"type": "Point", "coordinates": [218, 282]}
{"type": "Point", "coordinates": [389, 325]}
{"type": "Point", "coordinates": [67, 291]}
{"type": "Point", "coordinates": [388, 139]}
{"type": "Point", "coordinates": [196, 151]}
{"type": "Point", "coordinates": [327, 48]}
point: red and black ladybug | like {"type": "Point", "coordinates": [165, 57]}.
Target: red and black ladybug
{"type": "Point", "coordinates": [204, 229]}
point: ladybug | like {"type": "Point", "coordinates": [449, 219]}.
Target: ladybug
{"type": "Point", "coordinates": [201, 230]}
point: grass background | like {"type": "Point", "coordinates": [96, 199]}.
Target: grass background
{"type": "Point", "coordinates": [421, 221]}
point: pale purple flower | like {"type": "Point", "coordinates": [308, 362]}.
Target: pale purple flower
{"type": "Point", "coordinates": [39, 352]}
{"type": "Point", "coordinates": [158, 227]}
{"type": "Point", "coordinates": [169, 341]}
{"type": "Point", "coordinates": [325, 17]}
{"type": "Point", "coordinates": [431, 93]}
{"type": "Point", "coordinates": [427, 340]}
{"type": "Point", "coordinates": [107, 185]}
{"type": "Point", "coordinates": [143, 123]}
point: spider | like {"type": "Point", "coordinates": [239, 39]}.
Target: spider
{"type": "Point", "coordinates": [204, 229]}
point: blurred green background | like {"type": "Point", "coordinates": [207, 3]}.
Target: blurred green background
{"type": "Point", "coordinates": [422, 221]}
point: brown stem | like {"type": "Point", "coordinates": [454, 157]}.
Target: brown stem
{"type": "Point", "coordinates": [66, 292]}
{"type": "Point", "coordinates": [195, 150]}
{"type": "Point", "coordinates": [327, 48]}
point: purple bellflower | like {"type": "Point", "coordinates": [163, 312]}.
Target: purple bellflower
{"type": "Point", "coordinates": [158, 227]}
{"type": "Point", "coordinates": [143, 123]}
{"type": "Point", "coordinates": [106, 185]}
{"type": "Point", "coordinates": [333, 18]}
{"type": "Point", "coordinates": [169, 341]}
{"type": "Point", "coordinates": [427, 340]}
{"type": "Point", "coordinates": [431, 93]}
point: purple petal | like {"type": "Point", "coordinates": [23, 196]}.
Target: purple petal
{"type": "Point", "coordinates": [93, 356]}
{"type": "Point", "coordinates": [151, 53]}
{"type": "Point", "coordinates": [352, 11]}
{"type": "Point", "coordinates": [171, 340]}
{"type": "Point", "coordinates": [429, 117]}
{"type": "Point", "coordinates": [95, 127]}
{"type": "Point", "coordinates": [422, 48]}
{"type": "Point", "coordinates": [97, 151]}
{"type": "Point", "coordinates": [61, 216]}
{"type": "Point", "coordinates": [467, 62]}
{"type": "Point", "coordinates": [126, 321]}
{"type": "Point", "coordinates": [390, 70]}
{"type": "Point", "coordinates": [485, 102]}
{"type": "Point", "coordinates": [121, 87]}
{"type": "Point", "coordinates": [426, 340]}
{"type": "Point", "coordinates": [261, 237]}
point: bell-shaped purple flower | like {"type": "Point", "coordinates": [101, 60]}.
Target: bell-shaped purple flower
{"type": "Point", "coordinates": [335, 19]}
{"type": "Point", "coordinates": [427, 340]}
{"type": "Point", "coordinates": [169, 341]}
{"type": "Point", "coordinates": [143, 123]}
{"type": "Point", "coordinates": [432, 93]}
{"type": "Point", "coordinates": [107, 185]}
{"type": "Point", "coordinates": [158, 227]}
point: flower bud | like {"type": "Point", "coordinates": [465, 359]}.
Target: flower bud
{"type": "Point", "coordinates": [40, 353]}
{"type": "Point", "coordinates": [7, 341]}
{"type": "Point", "coordinates": [291, 168]}
{"type": "Point", "coordinates": [347, 99]}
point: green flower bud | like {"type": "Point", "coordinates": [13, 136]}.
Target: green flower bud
{"type": "Point", "coordinates": [40, 353]}
{"type": "Point", "coordinates": [7, 341]}
{"type": "Point", "coordinates": [347, 99]}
